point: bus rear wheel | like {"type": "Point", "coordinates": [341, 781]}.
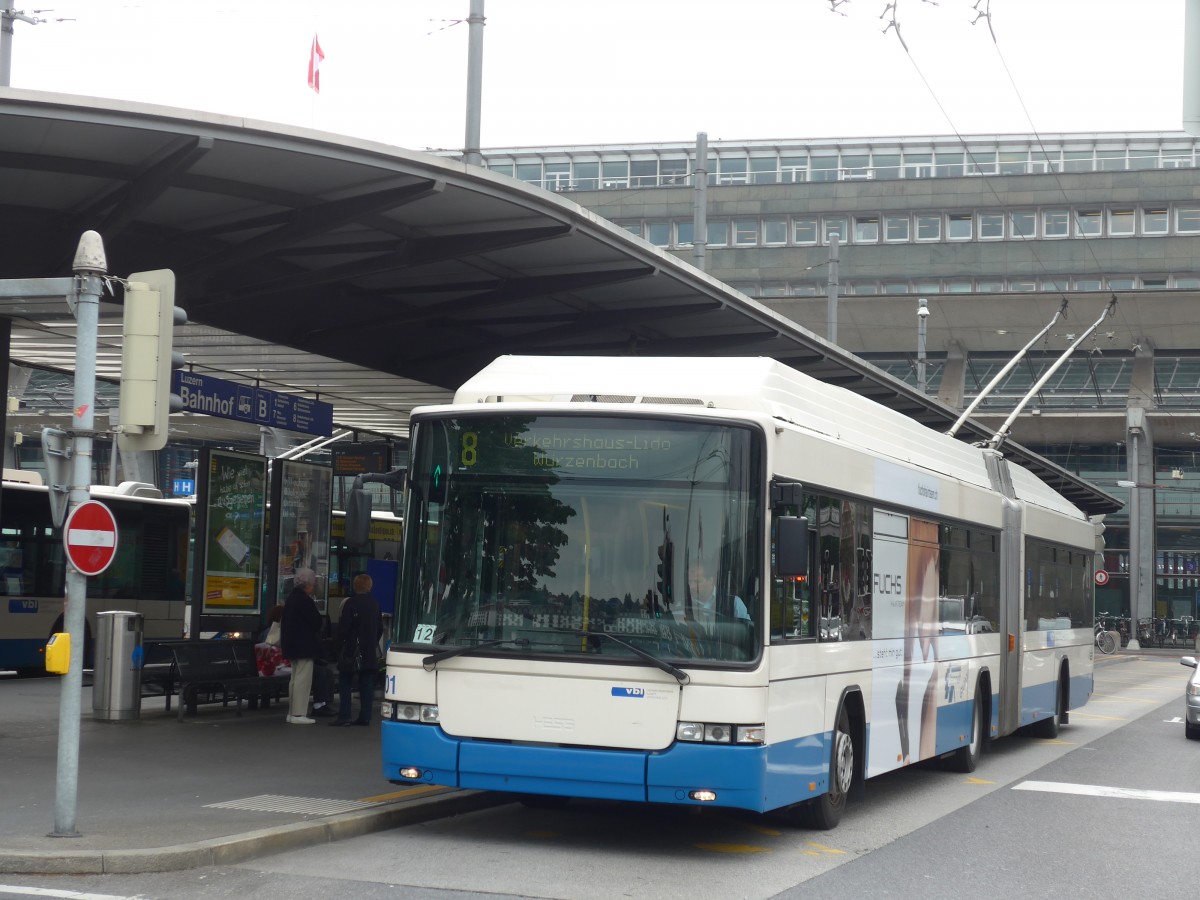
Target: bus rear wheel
{"type": "Point", "coordinates": [966, 758]}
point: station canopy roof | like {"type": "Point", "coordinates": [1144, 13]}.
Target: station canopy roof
{"type": "Point", "coordinates": [371, 277]}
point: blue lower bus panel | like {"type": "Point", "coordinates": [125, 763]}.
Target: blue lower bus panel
{"type": "Point", "coordinates": [745, 777]}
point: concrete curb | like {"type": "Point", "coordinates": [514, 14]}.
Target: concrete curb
{"type": "Point", "coordinates": [241, 847]}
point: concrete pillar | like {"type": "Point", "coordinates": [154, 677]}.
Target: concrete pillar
{"type": "Point", "coordinates": [954, 376]}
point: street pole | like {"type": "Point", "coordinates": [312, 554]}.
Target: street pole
{"type": "Point", "coordinates": [831, 289]}
{"type": "Point", "coordinates": [1135, 537]}
{"type": "Point", "coordinates": [922, 315]}
{"type": "Point", "coordinates": [90, 267]}
{"type": "Point", "coordinates": [7, 19]}
{"type": "Point", "coordinates": [471, 154]}
{"type": "Point", "coordinates": [700, 203]}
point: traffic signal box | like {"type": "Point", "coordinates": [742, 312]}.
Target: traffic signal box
{"type": "Point", "coordinates": [148, 359]}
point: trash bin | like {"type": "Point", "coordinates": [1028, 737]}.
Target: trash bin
{"type": "Point", "coordinates": [117, 674]}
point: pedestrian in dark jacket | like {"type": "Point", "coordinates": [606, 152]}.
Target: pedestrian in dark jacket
{"type": "Point", "coordinates": [301, 643]}
{"type": "Point", "coordinates": [358, 640]}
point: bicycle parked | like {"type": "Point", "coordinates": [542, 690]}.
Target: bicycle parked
{"type": "Point", "coordinates": [1106, 641]}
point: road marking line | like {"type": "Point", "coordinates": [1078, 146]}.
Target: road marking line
{"type": "Point", "coordinates": [825, 849]}
{"type": "Point", "coordinates": [407, 792]}
{"type": "Point", "coordinates": [1098, 790]}
{"type": "Point", "coordinates": [978, 781]}
{"type": "Point", "coordinates": [732, 848]}
{"type": "Point", "coordinates": [52, 892]}
{"type": "Point", "coordinates": [1078, 713]}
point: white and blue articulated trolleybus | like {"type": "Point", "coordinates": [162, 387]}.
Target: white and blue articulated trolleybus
{"type": "Point", "coordinates": [718, 581]}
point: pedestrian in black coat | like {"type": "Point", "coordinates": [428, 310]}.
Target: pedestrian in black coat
{"type": "Point", "coordinates": [300, 641]}
{"type": "Point", "coordinates": [358, 640]}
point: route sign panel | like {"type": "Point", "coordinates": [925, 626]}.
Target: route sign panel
{"type": "Point", "coordinates": [229, 400]}
{"type": "Point", "coordinates": [90, 536]}
{"type": "Point", "coordinates": [1101, 577]}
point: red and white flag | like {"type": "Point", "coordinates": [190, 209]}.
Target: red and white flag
{"type": "Point", "coordinates": [315, 58]}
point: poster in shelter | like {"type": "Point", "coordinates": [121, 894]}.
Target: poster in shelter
{"type": "Point", "coordinates": [235, 498]}
{"type": "Point", "coordinates": [305, 497]}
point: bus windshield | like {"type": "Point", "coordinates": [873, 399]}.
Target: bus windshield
{"type": "Point", "coordinates": [533, 533]}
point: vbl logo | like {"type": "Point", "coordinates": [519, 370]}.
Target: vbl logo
{"type": "Point", "coordinates": [628, 692]}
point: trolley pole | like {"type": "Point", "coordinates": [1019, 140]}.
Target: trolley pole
{"type": "Point", "coordinates": [90, 267]}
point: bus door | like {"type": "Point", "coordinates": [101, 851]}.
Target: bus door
{"type": "Point", "coordinates": [1012, 627]}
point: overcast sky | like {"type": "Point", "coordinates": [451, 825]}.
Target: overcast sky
{"type": "Point", "coordinates": [622, 71]}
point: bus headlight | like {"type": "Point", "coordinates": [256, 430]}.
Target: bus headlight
{"type": "Point", "coordinates": [719, 733]}
{"type": "Point", "coordinates": [426, 713]}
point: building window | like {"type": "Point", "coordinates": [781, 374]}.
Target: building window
{"type": "Point", "coordinates": [1154, 282]}
{"type": "Point", "coordinates": [530, 173]}
{"type": "Point", "coordinates": [895, 287]}
{"type": "Point", "coordinates": [958, 285]}
{"type": "Point", "coordinates": [1022, 224]}
{"type": "Point", "coordinates": [658, 233]}
{"type": "Point", "coordinates": [1120, 221]}
{"type": "Point", "coordinates": [718, 234]}
{"type": "Point", "coordinates": [1154, 221]}
{"type": "Point", "coordinates": [864, 287]}
{"type": "Point", "coordinates": [886, 166]}
{"type": "Point", "coordinates": [775, 231]}
{"type": "Point", "coordinates": [1014, 162]}
{"type": "Point", "coordinates": [959, 226]}
{"type": "Point", "coordinates": [1055, 284]}
{"type": "Point", "coordinates": [918, 165]}
{"type": "Point", "coordinates": [1176, 159]}
{"type": "Point", "coordinates": [616, 174]}
{"type": "Point", "coordinates": [806, 289]}
{"type": "Point", "coordinates": [866, 229]}
{"type": "Point", "coordinates": [745, 232]}
{"type": "Point", "coordinates": [1143, 159]}
{"type": "Point", "coordinates": [1110, 160]}
{"type": "Point", "coordinates": [982, 163]}
{"type": "Point", "coordinates": [988, 286]}
{"type": "Point", "coordinates": [763, 171]}
{"type": "Point", "coordinates": [501, 168]}
{"type": "Point", "coordinates": [1022, 285]}
{"type": "Point", "coordinates": [587, 176]}
{"type": "Point", "coordinates": [991, 226]}
{"type": "Point", "coordinates": [1056, 223]}
{"type": "Point", "coordinates": [673, 172]}
{"type": "Point", "coordinates": [774, 290]}
{"type": "Point", "coordinates": [1077, 161]}
{"type": "Point", "coordinates": [558, 176]}
{"type": "Point", "coordinates": [1120, 284]}
{"type": "Point", "coordinates": [1187, 219]}
{"type": "Point", "coordinates": [822, 168]}
{"type": "Point", "coordinates": [1188, 282]}
{"type": "Point", "coordinates": [835, 225]}
{"type": "Point", "coordinates": [804, 231]}
{"type": "Point", "coordinates": [644, 173]}
{"type": "Point", "coordinates": [633, 228]}
{"type": "Point", "coordinates": [949, 165]}
{"type": "Point", "coordinates": [929, 228]}
{"type": "Point", "coordinates": [794, 168]}
{"type": "Point", "coordinates": [1087, 222]}
{"type": "Point", "coordinates": [733, 171]}
{"type": "Point", "coordinates": [1087, 284]}
{"type": "Point", "coordinates": [684, 233]}
{"type": "Point", "coordinates": [927, 287]}
{"type": "Point", "coordinates": [895, 228]}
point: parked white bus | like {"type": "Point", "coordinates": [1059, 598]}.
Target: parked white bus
{"type": "Point", "coordinates": [718, 581]}
{"type": "Point", "coordinates": [146, 576]}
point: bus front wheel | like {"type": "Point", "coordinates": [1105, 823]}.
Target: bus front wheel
{"type": "Point", "coordinates": [825, 812]}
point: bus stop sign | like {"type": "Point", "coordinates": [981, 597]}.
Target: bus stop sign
{"type": "Point", "coordinates": [90, 535]}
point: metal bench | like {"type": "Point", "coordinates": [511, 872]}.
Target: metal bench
{"type": "Point", "coordinates": [220, 670]}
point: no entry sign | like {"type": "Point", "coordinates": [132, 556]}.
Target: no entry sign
{"type": "Point", "coordinates": [1101, 577]}
{"type": "Point", "coordinates": [90, 536]}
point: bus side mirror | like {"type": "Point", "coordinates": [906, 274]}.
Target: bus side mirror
{"type": "Point", "coordinates": [358, 516]}
{"type": "Point", "coordinates": [791, 546]}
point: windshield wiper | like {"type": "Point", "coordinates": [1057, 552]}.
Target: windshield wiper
{"type": "Point", "coordinates": [429, 663]}
{"type": "Point", "coordinates": [681, 676]}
